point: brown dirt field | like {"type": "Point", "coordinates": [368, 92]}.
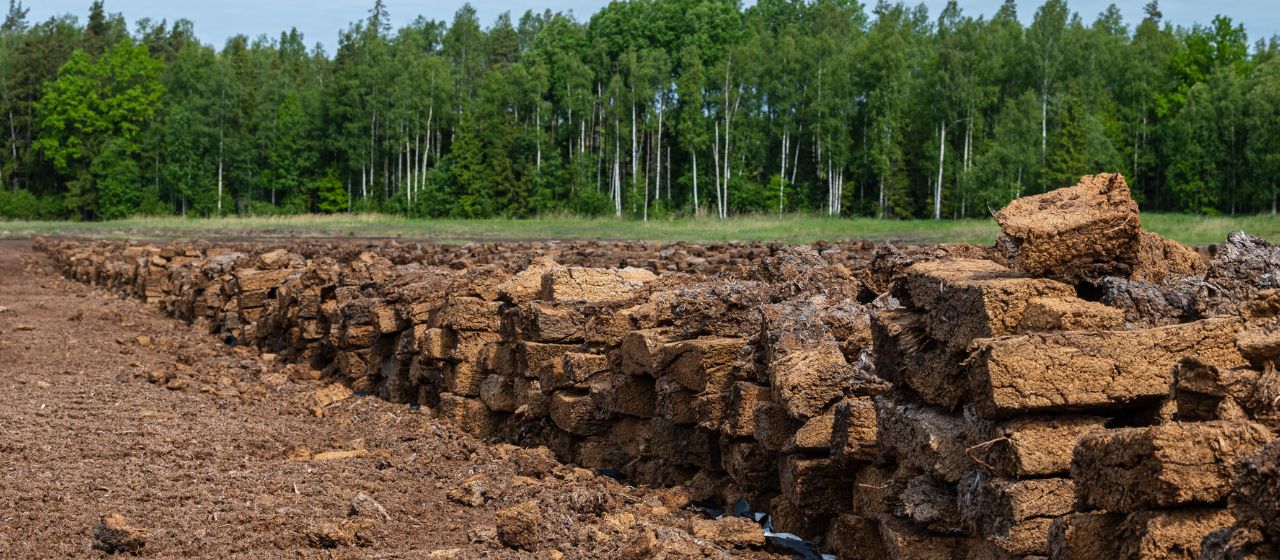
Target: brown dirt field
{"type": "Point", "coordinates": [206, 470]}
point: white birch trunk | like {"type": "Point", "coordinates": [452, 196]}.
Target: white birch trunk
{"type": "Point", "coordinates": [693, 154]}
{"type": "Point", "coordinates": [937, 186]}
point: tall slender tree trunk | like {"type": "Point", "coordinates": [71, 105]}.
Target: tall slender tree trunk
{"type": "Point", "coordinates": [658, 144]}
{"type": "Point", "coordinates": [937, 187]}
{"type": "Point", "coordinates": [782, 174]}
{"type": "Point", "coordinates": [693, 154]}
{"type": "Point", "coordinates": [219, 176]}
{"type": "Point", "coordinates": [1044, 121]}
{"type": "Point", "coordinates": [715, 159]}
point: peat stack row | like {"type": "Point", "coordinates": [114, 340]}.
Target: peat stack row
{"type": "Point", "coordinates": [1027, 422]}
{"type": "Point", "coordinates": [1082, 390]}
{"type": "Point", "coordinates": [755, 384]}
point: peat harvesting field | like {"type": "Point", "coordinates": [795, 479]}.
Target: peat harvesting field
{"type": "Point", "coordinates": [1071, 385]}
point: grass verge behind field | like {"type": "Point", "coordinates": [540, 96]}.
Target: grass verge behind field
{"type": "Point", "coordinates": [1195, 230]}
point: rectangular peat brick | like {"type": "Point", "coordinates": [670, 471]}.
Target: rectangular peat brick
{"type": "Point", "coordinates": [966, 299]}
{"type": "Point", "coordinates": [1176, 464]}
{"type": "Point", "coordinates": [1030, 446]}
{"type": "Point", "coordinates": [1092, 370]}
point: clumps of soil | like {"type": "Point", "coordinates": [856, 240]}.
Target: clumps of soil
{"type": "Point", "coordinates": [114, 535]}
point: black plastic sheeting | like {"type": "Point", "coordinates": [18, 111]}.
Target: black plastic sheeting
{"type": "Point", "coordinates": [783, 543]}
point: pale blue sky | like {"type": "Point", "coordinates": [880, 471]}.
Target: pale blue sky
{"type": "Point", "coordinates": [320, 20]}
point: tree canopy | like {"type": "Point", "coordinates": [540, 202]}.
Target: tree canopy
{"type": "Point", "coordinates": [647, 108]}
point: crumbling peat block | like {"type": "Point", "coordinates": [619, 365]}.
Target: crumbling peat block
{"type": "Point", "coordinates": [703, 364]}
{"type": "Point", "coordinates": [853, 433]}
{"type": "Point", "coordinates": [1030, 446]}
{"type": "Point", "coordinates": [542, 359]}
{"type": "Point", "coordinates": [814, 435]}
{"type": "Point", "coordinates": [923, 437]}
{"type": "Point", "coordinates": [631, 395]}
{"type": "Point", "coordinates": [1092, 370]}
{"type": "Point", "coordinates": [1168, 535]}
{"type": "Point", "coordinates": [674, 402]}
{"type": "Point", "coordinates": [498, 393]}
{"type": "Point", "coordinates": [468, 314]}
{"type": "Point", "coordinates": [1256, 499]}
{"type": "Point", "coordinates": [463, 378]}
{"type": "Point", "coordinates": [773, 426]}
{"type": "Point", "coordinates": [930, 503]}
{"type": "Point", "coordinates": [851, 537]}
{"type": "Point", "coordinates": [544, 322]}
{"type": "Point", "coordinates": [804, 364]}
{"type": "Point", "coordinates": [903, 540]}
{"type": "Point", "coordinates": [1048, 314]}
{"type": "Point", "coordinates": [1014, 514]}
{"type": "Point", "coordinates": [468, 414]}
{"type": "Point", "coordinates": [1090, 230]}
{"type": "Point", "coordinates": [1160, 258]}
{"type": "Point", "coordinates": [1203, 392]}
{"type": "Point", "coordinates": [749, 464]}
{"type": "Point", "coordinates": [966, 299]}
{"type": "Point", "coordinates": [815, 483]}
{"type": "Point", "coordinates": [251, 280]}
{"type": "Point", "coordinates": [1084, 536]}
{"type": "Point", "coordinates": [1169, 465]}
{"type": "Point", "coordinates": [593, 285]}
{"type": "Point", "coordinates": [577, 413]}
{"type": "Point", "coordinates": [641, 352]}
{"type": "Point", "coordinates": [907, 355]}
{"type": "Point", "coordinates": [740, 412]}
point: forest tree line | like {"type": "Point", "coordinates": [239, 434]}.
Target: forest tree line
{"type": "Point", "coordinates": [648, 108]}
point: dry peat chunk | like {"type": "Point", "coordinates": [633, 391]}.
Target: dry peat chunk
{"type": "Point", "coordinates": [1090, 230]}
{"type": "Point", "coordinates": [1256, 498]}
{"type": "Point", "coordinates": [1176, 464]}
{"type": "Point", "coordinates": [738, 532]}
{"type": "Point", "coordinates": [520, 526]}
{"type": "Point", "coordinates": [906, 354]}
{"type": "Point", "coordinates": [1160, 258]}
{"type": "Point", "coordinates": [1068, 314]}
{"type": "Point", "coordinates": [852, 537]}
{"type": "Point", "coordinates": [966, 299]}
{"type": "Point", "coordinates": [903, 540]}
{"type": "Point", "coordinates": [1244, 266]}
{"type": "Point", "coordinates": [923, 437]}
{"type": "Point", "coordinates": [1014, 514]}
{"type": "Point", "coordinates": [114, 534]}
{"type": "Point", "coordinates": [1029, 446]}
{"type": "Point", "coordinates": [593, 284]}
{"type": "Point", "coordinates": [1092, 370]}
{"type": "Point", "coordinates": [1144, 535]}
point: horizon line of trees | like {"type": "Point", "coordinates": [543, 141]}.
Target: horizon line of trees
{"type": "Point", "coordinates": [648, 108]}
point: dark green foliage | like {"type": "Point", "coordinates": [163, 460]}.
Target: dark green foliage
{"type": "Point", "coordinates": [637, 111]}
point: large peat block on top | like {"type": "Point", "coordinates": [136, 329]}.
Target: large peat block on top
{"type": "Point", "coordinates": [1176, 464]}
{"type": "Point", "coordinates": [1086, 231]}
{"type": "Point", "coordinates": [1090, 370]}
{"type": "Point", "coordinates": [593, 284]}
{"type": "Point", "coordinates": [969, 298]}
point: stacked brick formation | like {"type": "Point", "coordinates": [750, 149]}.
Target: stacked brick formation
{"type": "Point", "coordinates": [1083, 389]}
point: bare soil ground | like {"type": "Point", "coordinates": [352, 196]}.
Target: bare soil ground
{"type": "Point", "coordinates": [108, 407]}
